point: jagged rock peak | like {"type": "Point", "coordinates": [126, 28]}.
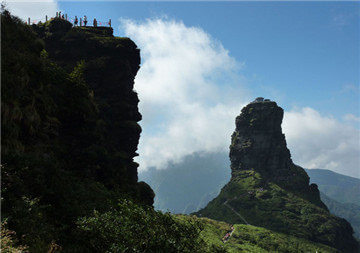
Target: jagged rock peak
{"type": "Point", "coordinates": [258, 144]}
{"type": "Point", "coordinates": [258, 134]}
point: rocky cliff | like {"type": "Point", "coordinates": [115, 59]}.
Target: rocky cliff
{"type": "Point", "coordinates": [259, 145]}
{"type": "Point", "coordinates": [109, 65]}
{"type": "Point", "coordinates": [267, 189]}
{"type": "Point", "coordinates": [69, 127]}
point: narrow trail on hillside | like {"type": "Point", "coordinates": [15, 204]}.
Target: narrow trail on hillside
{"type": "Point", "coordinates": [238, 214]}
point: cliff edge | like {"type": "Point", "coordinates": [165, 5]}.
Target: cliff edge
{"type": "Point", "coordinates": [69, 127]}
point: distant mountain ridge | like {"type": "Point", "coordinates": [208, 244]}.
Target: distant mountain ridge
{"type": "Point", "coordinates": [340, 193]}
{"type": "Point", "coordinates": [267, 189]}
{"type": "Point", "coordinates": [190, 185]}
{"type": "Point", "coordinates": [341, 188]}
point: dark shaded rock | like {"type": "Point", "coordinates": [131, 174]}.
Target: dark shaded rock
{"type": "Point", "coordinates": [258, 134]}
{"type": "Point", "coordinates": [109, 67]}
{"type": "Point", "coordinates": [258, 144]}
{"type": "Point", "coordinates": [69, 128]}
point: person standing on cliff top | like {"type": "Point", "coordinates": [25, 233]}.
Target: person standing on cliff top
{"type": "Point", "coordinates": [85, 20]}
{"type": "Point", "coordinates": [95, 22]}
{"type": "Point", "coordinates": [76, 21]}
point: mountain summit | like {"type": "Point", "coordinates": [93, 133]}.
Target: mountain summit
{"type": "Point", "coordinates": [267, 189]}
{"type": "Point", "coordinates": [258, 145]}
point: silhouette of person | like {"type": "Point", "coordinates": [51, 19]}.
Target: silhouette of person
{"type": "Point", "coordinates": [95, 22]}
{"type": "Point", "coordinates": [76, 21]}
{"type": "Point", "coordinates": [85, 20]}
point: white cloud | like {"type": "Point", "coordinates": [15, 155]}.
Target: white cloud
{"type": "Point", "coordinates": [187, 91]}
{"type": "Point", "coordinates": [35, 10]}
{"type": "Point", "coordinates": [317, 141]}
{"type": "Point", "coordinates": [190, 94]}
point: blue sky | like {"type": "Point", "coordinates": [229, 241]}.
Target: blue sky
{"type": "Point", "coordinates": [203, 61]}
{"type": "Point", "coordinates": [303, 53]}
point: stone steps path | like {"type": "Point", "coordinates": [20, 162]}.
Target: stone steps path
{"type": "Point", "coordinates": [238, 214]}
{"type": "Point", "coordinates": [228, 235]}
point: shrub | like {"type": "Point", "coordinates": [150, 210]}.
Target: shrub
{"type": "Point", "coordinates": [8, 242]}
{"type": "Point", "coordinates": [134, 228]}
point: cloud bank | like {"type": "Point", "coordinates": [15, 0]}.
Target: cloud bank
{"type": "Point", "coordinates": [35, 10]}
{"type": "Point", "coordinates": [189, 91]}
{"type": "Point", "coordinates": [321, 142]}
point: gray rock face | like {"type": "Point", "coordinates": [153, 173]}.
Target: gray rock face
{"type": "Point", "coordinates": [258, 133]}
{"type": "Point", "coordinates": [258, 144]}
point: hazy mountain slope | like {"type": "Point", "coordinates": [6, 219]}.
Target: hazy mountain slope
{"type": "Point", "coordinates": [341, 188]}
{"type": "Point", "coordinates": [190, 185]}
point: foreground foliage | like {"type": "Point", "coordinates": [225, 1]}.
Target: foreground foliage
{"type": "Point", "coordinates": [8, 241]}
{"type": "Point", "coordinates": [133, 228]}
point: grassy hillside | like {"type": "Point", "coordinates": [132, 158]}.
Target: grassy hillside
{"type": "Point", "coordinates": [277, 209]}
{"type": "Point", "coordinates": [247, 238]}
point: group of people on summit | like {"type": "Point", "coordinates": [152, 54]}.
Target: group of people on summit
{"type": "Point", "coordinates": [58, 15]}
{"type": "Point", "coordinates": [76, 20]}
{"type": "Point", "coordinates": [84, 21]}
